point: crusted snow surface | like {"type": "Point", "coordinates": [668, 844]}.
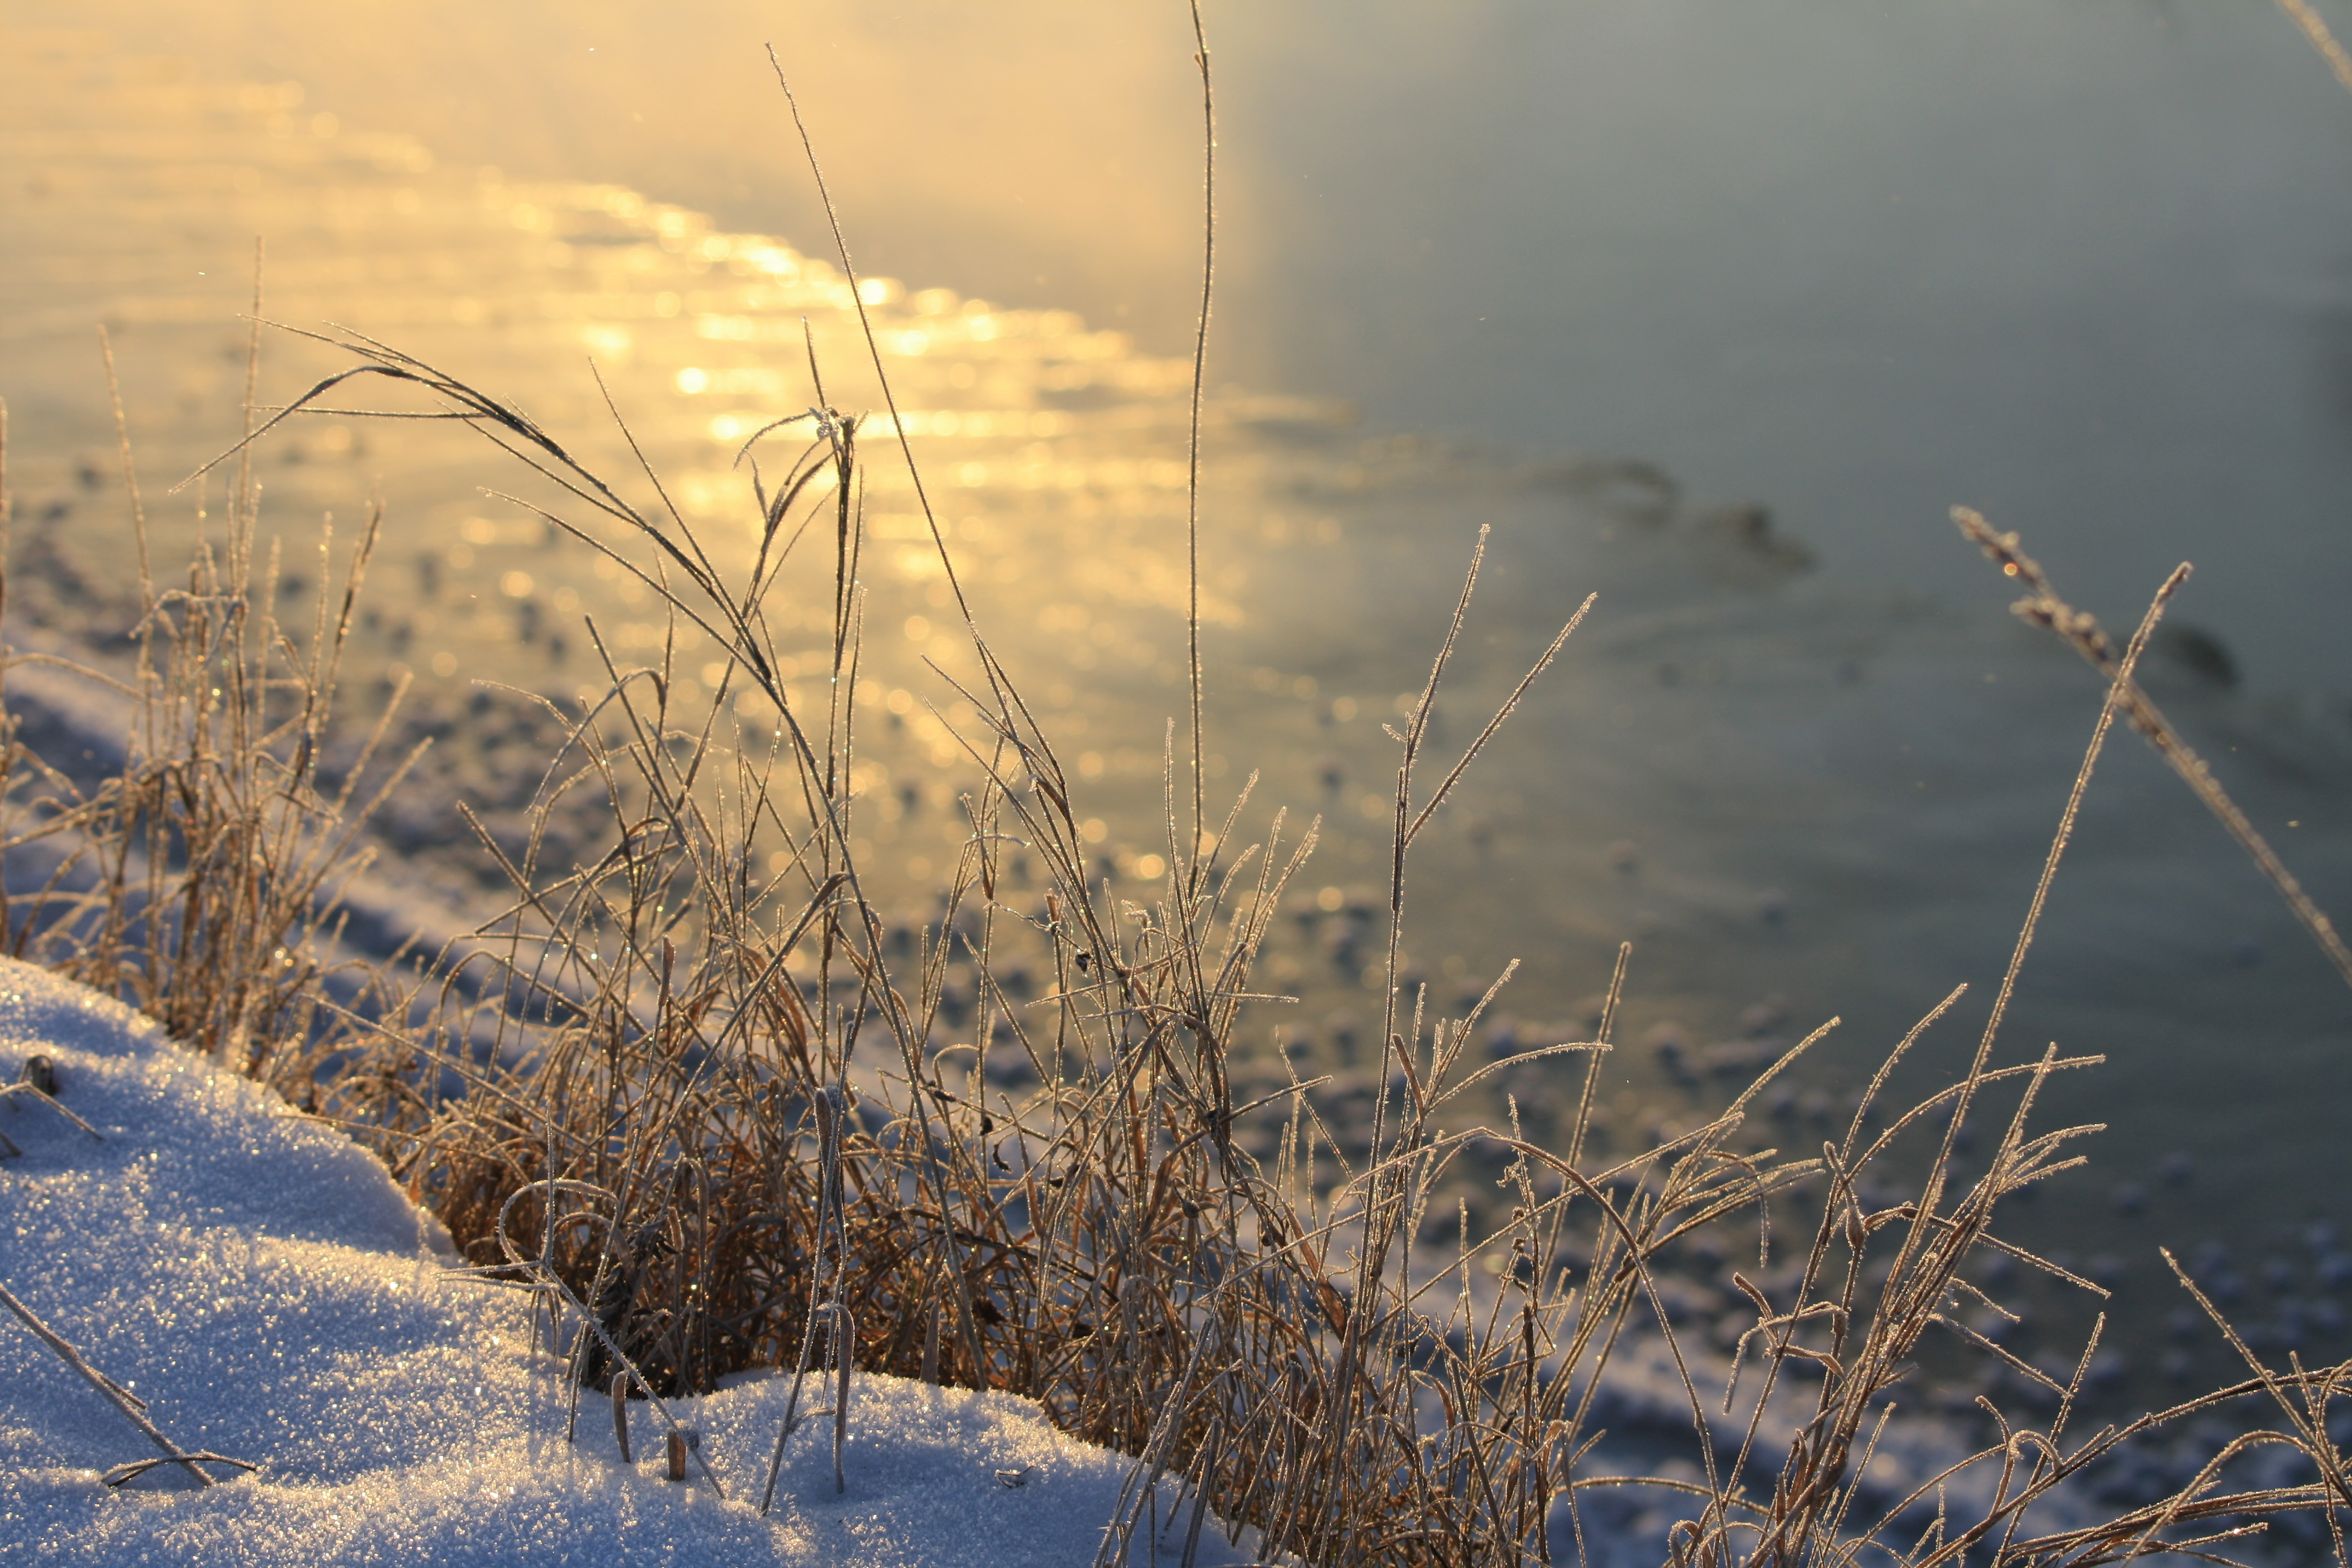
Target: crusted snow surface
{"type": "Point", "coordinates": [260, 1282]}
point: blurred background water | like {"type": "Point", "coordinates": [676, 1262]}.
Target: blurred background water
{"type": "Point", "coordinates": [1712, 310]}
{"type": "Point", "coordinates": [2083, 265]}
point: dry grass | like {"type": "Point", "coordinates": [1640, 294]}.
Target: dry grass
{"type": "Point", "coordinates": [200, 882]}
{"type": "Point", "coordinates": [715, 1116]}
{"type": "Point", "coordinates": [133, 1407]}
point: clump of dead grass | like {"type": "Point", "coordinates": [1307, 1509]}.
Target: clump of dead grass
{"type": "Point", "coordinates": [201, 881]}
{"type": "Point", "coordinates": [714, 1116]}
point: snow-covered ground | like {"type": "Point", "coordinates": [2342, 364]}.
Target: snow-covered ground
{"type": "Point", "coordinates": [258, 1281]}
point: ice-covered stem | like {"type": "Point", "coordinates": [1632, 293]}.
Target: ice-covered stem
{"type": "Point", "coordinates": [30, 1084]}
{"type": "Point", "coordinates": [1382, 1206]}
{"type": "Point", "coordinates": [133, 1408]}
{"type": "Point", "coordinates": [1199, 381]}
{"type": "Point", "coordinates": [2315, 29]}
{"type": "Point", "coordinates": [2042, 606]}
{"type": "Point", "coordinates": [546, 1281]}
{"type": "Point", "coordinates": [831, 1109]}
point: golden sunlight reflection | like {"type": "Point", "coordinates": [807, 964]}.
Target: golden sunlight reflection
{"type": "Point", "coordinates": [1040, 153]}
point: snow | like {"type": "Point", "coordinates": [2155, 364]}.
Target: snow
{"type": "Point", "coordinates": [262, 1284]}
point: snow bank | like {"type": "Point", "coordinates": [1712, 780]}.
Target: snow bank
{"type": "Point", "coordinates": [261, 1283]}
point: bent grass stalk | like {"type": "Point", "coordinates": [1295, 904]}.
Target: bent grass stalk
{"type": "Point", "coordinates": [133, 1408]}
